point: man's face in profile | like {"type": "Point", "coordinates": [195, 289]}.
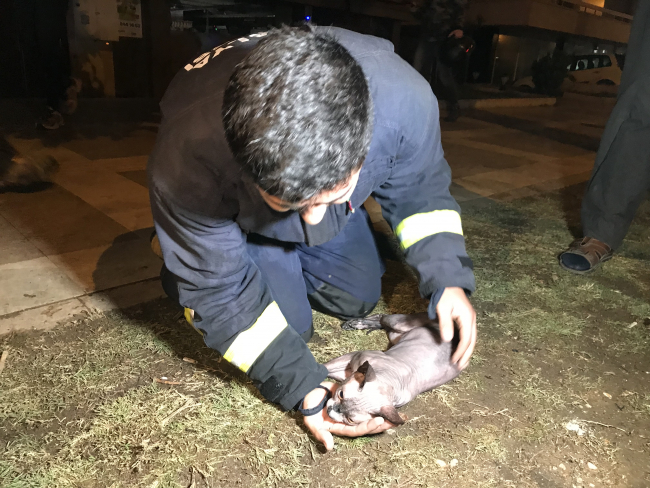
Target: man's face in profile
{"type": "Point", "coordinates": [313, 210]}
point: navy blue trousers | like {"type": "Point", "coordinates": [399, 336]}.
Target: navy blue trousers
{"type": "Point", "coordinates": [341, 278]}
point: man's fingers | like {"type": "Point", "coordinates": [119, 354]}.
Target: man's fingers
{"type": "Point", "coordinates": [465, 333]}
{"type": "Point", "coordinates": [356, 430]}
{"type": "Point", "coordinates": [466, 326]}
{"type": "Point", "coordinates": [319, 429]}
{"type": "Point", "coordinates": [464, 361]}
{"type": "Point", "coordinates": [446, 324]}
{"type": "Point", "coordinates": [382, 428]}
{"type": "Point", "coordinates": [377, 424]}
{"type": "Point", "coordinates": [320, 432]}
{"type": "Point", "coordinates": [326, 438]}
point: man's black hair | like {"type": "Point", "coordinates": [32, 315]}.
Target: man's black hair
{"type": "Point", "coordinates": [298, 114]}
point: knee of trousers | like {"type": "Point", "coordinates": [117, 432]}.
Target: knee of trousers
{"type": "Point", "coordinates": [338, 303]}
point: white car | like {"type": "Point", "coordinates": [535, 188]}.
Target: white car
{"type": "Point", "coordinates": [592, 69]}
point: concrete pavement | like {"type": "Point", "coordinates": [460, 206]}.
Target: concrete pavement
{"type": "Point", "coordinates": [83, 244]}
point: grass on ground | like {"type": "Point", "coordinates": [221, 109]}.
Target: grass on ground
{"type": "Point", "coordinates": [556, 395]}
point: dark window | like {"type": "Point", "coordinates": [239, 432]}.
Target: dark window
{"type": "Point", "coordinates": [620, 60]}
{"type": "Point", "coordinates": [581, 63]}
{"type": "Point", "coordinates": [605, 61]}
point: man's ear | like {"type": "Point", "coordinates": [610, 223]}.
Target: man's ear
{"type": "Point", "coordinates": [337, 368]}
{"type": "Point", "coordinates": [364, 374]}
{"type": "Point", "coordinates": [390, 413]}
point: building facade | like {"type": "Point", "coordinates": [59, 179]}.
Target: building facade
{"type": "Point", "coordinates": [512, 34]}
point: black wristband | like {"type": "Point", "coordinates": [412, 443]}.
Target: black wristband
{"type": "Point", "coordinates": [308, 412]}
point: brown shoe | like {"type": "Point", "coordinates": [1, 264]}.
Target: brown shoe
{"type": "Point", "coordinates": [584, 255]}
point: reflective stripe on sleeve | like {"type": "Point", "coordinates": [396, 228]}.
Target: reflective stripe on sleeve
{"type": "Point", "coordinates": [252, 342]}
{"type": "Point", "coordinates": [416, 227]}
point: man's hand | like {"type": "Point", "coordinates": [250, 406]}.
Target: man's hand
{"type": "Point", "coordinates": [322, 426]}
{"type": "Point", "coordinates": [458, 33]}
{"type": "Point", "coordinates": [455, 307]}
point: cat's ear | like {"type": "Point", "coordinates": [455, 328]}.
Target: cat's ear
{"type": "Point", "coordinates": [390, 413]}
{"type": "Point", "coordinates": [364, 374]}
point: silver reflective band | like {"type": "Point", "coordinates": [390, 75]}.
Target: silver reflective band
{"type": "Point", "coordinates": [416, 227]}
{"type": "Point", "coordinates": [203, 59]}
{"type": "Point", "coordinates": [252, 342]}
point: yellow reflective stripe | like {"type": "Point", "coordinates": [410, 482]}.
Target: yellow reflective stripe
{"type": "Point", "coordinates": [189, 317]}
{"type": "Point", "coordinates": [252, 342]}
{"type": "Point", "coordinates": [416, 227]}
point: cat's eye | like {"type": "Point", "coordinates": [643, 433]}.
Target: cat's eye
{"type": "Point", "coordinates": [340, 393]}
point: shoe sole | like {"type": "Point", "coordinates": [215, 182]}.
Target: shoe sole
{"type": "Point", "coordinates": [587, 271]}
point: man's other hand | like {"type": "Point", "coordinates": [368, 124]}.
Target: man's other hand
{"type": "Point", "coordinates": [458, 33]}
{"type": "Point", "coordinates": [322, 426]}
{"type": "Point", "coordinates": [454, 307]}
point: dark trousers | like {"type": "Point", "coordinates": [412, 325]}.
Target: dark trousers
{"type": "Point", "coordinates": [438, 74]}
{"type": "Point", "coordinates": [619, 184]}
{"type": "Point", "coordinates": [621, 175]}
{"type": "Point", "coordinates": [341, 278]}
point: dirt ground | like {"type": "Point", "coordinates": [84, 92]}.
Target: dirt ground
{"type": "Point", "coordinates": [557, 395]}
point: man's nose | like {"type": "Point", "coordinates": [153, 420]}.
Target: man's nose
{"type": "Point", "coordinates": [314, 214]}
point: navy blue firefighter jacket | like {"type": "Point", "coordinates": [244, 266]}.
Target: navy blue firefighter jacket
{"type": "Point", "coordinates": [204, 206]}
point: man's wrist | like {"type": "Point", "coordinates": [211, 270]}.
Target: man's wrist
{"type": "Point", "coordinates": [287, 371]}
{"type": "Point", "coordinates": [315, 401]}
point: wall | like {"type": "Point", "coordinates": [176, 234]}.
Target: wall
{"type": "Point", "coordinates": [133, 66]}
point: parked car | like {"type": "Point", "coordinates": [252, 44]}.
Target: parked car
{"type": "Point", "coordinates": [593, 69]}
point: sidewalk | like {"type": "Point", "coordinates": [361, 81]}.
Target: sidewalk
{"type": "Point", "coordinates": [83, 244]}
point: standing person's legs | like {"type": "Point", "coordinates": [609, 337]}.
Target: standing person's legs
{"type": "Point", "coordinates": [615, 191]}
{"type": "Point", "coordinates": [445, 76]}
{"type": "Point", "coordinates": [621, 175]}
{"type": "Point", "coordinates": [424, 56]}
{"type": "Point", "coordinates": [343, 276]}
{"type": "Point", "coordinates": [619, 184]}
